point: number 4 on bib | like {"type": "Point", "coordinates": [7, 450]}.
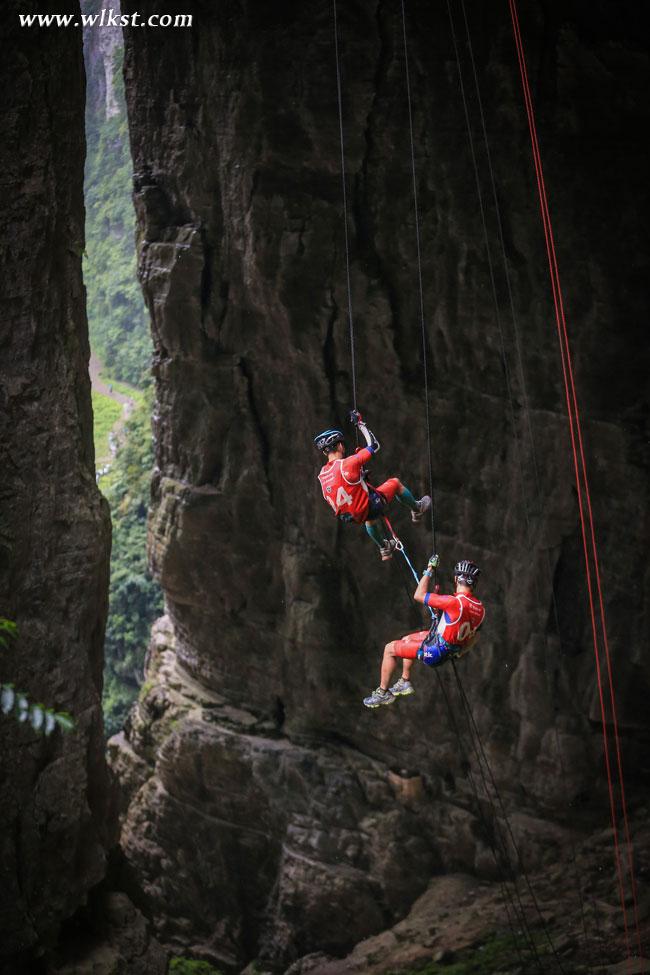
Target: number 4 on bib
{"type": "Point", "coordinates": [342, 497]}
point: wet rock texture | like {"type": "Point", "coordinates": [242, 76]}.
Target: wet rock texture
{"type": "Point", "coordinates": [54, 527]}
{"type": "Point", "coordinates": [269, 815]}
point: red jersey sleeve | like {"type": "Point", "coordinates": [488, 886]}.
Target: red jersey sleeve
{"type": "Point", "coordinates": [352, 465]}
{"type": "Point", "coordinates": [442, 602]}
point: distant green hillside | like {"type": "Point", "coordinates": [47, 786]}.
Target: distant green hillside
{"type": "Point", "coordinates": [119, 336]}
{"type": "Point", "coordinates": [119, 331]}
{"type": "Point", "coordinates": [135, 600]}
{"type": "Point", "coordinates": [106, 413]}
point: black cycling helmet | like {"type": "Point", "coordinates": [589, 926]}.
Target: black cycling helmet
{"type": "Point", "coordinates": [467, 572]}
{"type": "Point", "coordinates": [328, 439]}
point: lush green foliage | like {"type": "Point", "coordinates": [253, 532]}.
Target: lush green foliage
{"type": "Point", "coordinates": [106, 413]}
{"type": "Point", "coordinates": [116, 314]}
{"type": "Point", "coordinates": [8, 629]}
{"type": "Point", "coordinates": [187, 966]}
{"type": "Point", "coordinates": [16, 703]}
{"type": "Point", "coordinates": [119, 336]}
{"type": "Point", "coordinates": [134, 600]}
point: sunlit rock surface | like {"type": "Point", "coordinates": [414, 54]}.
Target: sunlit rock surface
{"type": "Point", "coordinates": [261, 799]}
{"type": "Point", "coordinates": [54, 526]}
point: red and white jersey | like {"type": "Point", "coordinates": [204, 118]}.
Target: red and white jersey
{"type": "Point", "coordinates": [461, 616]}
{"type": "Point", "coordinates": [343, 485]}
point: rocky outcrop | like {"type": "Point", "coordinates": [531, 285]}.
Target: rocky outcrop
{"type": "Point", "coordinates": [54, 526]}
{"type": "Point", "coordinates": [459, 919]}
{"type": "Point", "coordinates": [260, 790]}
{"type": "Point", "coordinates": [296, 828]}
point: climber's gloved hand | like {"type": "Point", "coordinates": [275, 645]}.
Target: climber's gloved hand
{"type": "Point", "coordinates": [355, 417]}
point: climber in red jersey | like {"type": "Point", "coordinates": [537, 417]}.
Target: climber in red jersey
{"type": "Point", "coordinates": [346, 490]}
{"type": "Point", "coordinates": [453, 632]}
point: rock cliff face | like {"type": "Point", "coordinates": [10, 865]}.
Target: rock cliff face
{"type": "Point", "coordinates": [261, 799]}
{"type": "Point", "coordinates": [54, 526]}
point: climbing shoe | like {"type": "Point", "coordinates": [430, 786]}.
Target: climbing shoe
{"type": "Point", "coordinates": [423, 505]}
{"type": "Point", "coordinates": [402, 688]}
{"type": "Point", "coordinates": [386, 550]}
{"type": "Point", "coordinates": [377, 698]}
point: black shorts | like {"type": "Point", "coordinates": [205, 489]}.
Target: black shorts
{"type": "Point", "coordinates": [376, 505]}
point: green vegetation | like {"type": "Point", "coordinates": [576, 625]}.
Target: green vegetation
{"type": "Point", "coordinates": [187, 966]}
{"type": "Point", "coordinates": [8, 631]}
{"type": "Point", "coordinates": [106, 413]}
{"type": "Point", "coordinates": [116, 314]}
{"type": "Point", "coordinates": [119, 336]}
{"type": "Point", "coordinates": [125, 388]}
{"type": "Point", "coordinates": [134, 598]}
{"type": "Point", "coordinates": [16, 704]}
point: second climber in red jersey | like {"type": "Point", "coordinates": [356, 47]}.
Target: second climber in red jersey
{"type": "Point", "coordinates": [342, 480]}
{"type": "Point", "coordinates": [453, 632]}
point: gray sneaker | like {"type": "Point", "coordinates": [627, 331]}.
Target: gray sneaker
{"type": "Point", "coordinates": [377, 698]}
{"type": "Point", "coordinates": [423, 505]}
{"type": "Point", "coordinates": [402, 688]}
{"type": "Point", "coordinates": [386, 550]}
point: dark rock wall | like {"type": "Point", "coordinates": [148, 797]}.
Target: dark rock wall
{"type": "Point", "coordinates": [54, 526]}
{"type": "Point", "coordinates": [258, 784]}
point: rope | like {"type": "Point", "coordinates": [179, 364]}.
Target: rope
{"type": "Point", "coordinates": [580, 471]}
{"type": "Point", "coordinates": [496, 849]}
{"type": "Point", "coordinates": [508, 902]}
{"type": "Point", "coordinates": [526, 409]}
{"type": "Point", "coordinates": [474, 727]}
{"type": "Point", "coordinates": [472, 724]}
{"type": "Point", "coordinates": [490, 264]}
{"type": "Point", "coordinates": [488, 252]}
{"type": "Point", "coordinates": [420, 285]}
{"type": "Point", "coordinates": [402, 550]}
{"type": "Point", "coordinates": [345, 208]}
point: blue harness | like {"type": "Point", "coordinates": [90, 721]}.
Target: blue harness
{"type": "Point", "coordinates": [434, 651]}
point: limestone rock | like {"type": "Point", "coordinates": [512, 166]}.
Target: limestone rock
{"type": "Point", "coordinates": [257, 815]}
{"type": "Point", "coordinates": [54, 525]}
{"type": "Point", "coordinates": [319, 824]}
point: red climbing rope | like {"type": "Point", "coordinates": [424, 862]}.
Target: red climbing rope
{"type": "Point", "coordinates": [582, 484]}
